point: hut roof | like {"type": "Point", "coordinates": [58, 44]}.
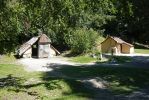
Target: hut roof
{"type": "Point", "coordinates": [44, 39]}
{"type": "Point", "coordinates": [55, 50]}
{"type": "Point", "coordinates": [118, 40]}
{"type": "Point", "coordinates": [27, 45]}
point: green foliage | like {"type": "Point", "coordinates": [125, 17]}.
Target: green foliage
{"type": "Point", "coordinates": [82, 40]}
{"type": "Point", "coordinates": [132, 20]}
{"type": "Point", "coordinates": [21, 19]}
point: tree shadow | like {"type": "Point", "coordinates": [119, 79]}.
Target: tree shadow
{"type": "Point", "coordinates": [126, 60]}
{"type": "Point", "coordinates": [17, 85]}
{"type": "Point", "coordinates": [122, 81]}
{"type": "Point", "coordinates": [70, 54]}
{"type": "Point", "coordinates": [10, 81]}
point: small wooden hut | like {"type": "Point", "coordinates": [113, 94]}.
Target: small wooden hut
{"type": "Point", "coordinates": [38, 47]}
{"type": "Point", "coordinates": [116, 45]}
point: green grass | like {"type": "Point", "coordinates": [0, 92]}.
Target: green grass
{"type": "Point", "coordinates": [121, 59]}
{"type": "Point", "coordinates": [83, 59]}
{"type": "Point", "coordinates": [120, 79]}
{"type": "Point", "coordinates": [7, 59]}
{"type": "Point", "coordinates": [13, 77]}
{"type": "Point", "coordinates": [143, 51]}
{"type": "Point", "coordinates": [17, 83]}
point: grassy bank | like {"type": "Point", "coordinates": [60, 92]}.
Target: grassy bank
{"type": "Point", "coordinates": [143, 51]}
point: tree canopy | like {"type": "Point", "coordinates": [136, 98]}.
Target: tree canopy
{"type": "Point", "coordinates": [21, 19]}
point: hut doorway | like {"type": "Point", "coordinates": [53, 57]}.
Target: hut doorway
{"type": "Point", "coordinates": [35, 51]}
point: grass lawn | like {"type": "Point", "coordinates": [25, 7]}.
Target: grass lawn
{"type": "Point", "coordinates": [83, 59]}
{"type": "Point", "coordinates": [121, 79]}
{"type": "Point", "coordinates": [143, 51]}
{"type": "Point", "coordinates": [16, 83]}
{"type": "Point", "coordinates": [86, 59]}
{"type": "Point", "coordinates": [120, 59]}
{"type": "Point", "coordinates": [7, 59]}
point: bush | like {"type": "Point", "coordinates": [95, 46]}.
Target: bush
{"type": "Point", "coordinates": [82, 40]}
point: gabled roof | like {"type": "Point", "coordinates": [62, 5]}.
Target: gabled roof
{"type": "Point", "coordinates": [44, 39]}
{"type": "Point", "coordinates": [118, 40]}
{"type": "Point", "coordinates": [32, 40]}
{"type": "Point", "coordinates": [27, 45]}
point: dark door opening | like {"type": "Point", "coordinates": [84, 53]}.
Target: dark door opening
{"type": "Point", "coordinates": [121, 48]}
{"type": "Point", "coordinates": [35, 50]}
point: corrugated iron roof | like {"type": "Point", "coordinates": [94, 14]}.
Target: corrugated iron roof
{"type": "Point", "coordinates": [32, 40]}
{"type": "Point", "coordinates": [27, 45]}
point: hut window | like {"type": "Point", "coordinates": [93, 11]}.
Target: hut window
{"type": "Point", "coordinates": [34, 46]}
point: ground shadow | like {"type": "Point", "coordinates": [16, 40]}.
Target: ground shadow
{"type": "Point", "coordinates": [126, 60]}
{"type": "Point", "coordinates": [17, 85]}
{"type": "Point", "coordinates": [123, 81]}
{"type": "Point", "coordinates": [10, 81]}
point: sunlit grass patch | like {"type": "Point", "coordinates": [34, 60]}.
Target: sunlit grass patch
{"type": "Point", "coordinates": [83, 59]}
{"type": "Point", "coordinates": [7, 59]}
{"type": "Point", "coordinates": [143, 51]}
{"type": "Point", "coordinates": [15, 82]}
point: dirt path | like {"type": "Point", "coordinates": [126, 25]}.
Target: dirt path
{"type": "Point", "coordinates": [32, 64]}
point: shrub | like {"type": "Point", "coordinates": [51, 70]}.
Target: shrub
{"type": "Point", "coordinates": [82, 40]}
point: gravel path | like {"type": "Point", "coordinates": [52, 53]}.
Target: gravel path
{"type": "Point", "coordinates": [32, 64]}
